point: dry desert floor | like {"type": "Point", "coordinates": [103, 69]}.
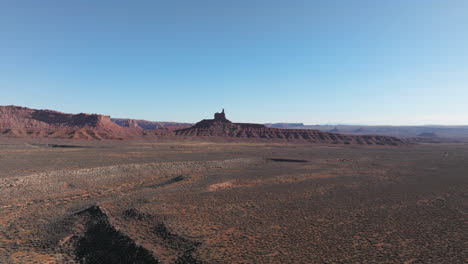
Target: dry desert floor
{"type": "Point", "coordinates": [207, 202]}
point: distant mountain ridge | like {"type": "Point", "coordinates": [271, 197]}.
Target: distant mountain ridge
{"type": "Point", "coordinates": [149, 125]}
{"type": "Point", "coordinates": [285, 125]}
{"type": "Point", "coordinates": [448, 132]}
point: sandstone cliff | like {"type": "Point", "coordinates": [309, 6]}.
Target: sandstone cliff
{"type": "Point", "coordinates": [22, 121]}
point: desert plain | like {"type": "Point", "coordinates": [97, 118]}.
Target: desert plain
{"type": "Point", "coordinates": [198, 201]}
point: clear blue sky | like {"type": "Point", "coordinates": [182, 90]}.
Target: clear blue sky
{"type": "Point", "coordinates": [349, 61]}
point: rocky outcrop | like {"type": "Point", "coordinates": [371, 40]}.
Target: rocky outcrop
{"type": "Point", "coordinates": [16, 117]}
{"type": "Point", "coordinates": [222, 127]}
{"type": "Point", "coordinates": [22, 121]}
{"type": "Point", "coordinates": [22, 117]}
{"type": "Point", "coordinates": [220, 116]}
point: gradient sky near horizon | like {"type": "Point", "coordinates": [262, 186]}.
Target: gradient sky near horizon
{"type": "Point", "coordinates": [389, 62]}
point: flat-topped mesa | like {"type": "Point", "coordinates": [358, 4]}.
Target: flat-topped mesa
{"type": "Point", "coordinates": [221, 127]}
{"type": "Point", "coordinates": [220, 116]}
{"type": "Point", "coordinates": [218, 122]}
{"type": "Point", "coordinates": [21, 121]}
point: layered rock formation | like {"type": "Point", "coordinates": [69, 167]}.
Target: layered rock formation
{"type": "Point", "coordinates": [22, 121]}
{"type": "Point", "coordinates": [222, 127]}
{"type": "Point", "coordinates": [25, 122]}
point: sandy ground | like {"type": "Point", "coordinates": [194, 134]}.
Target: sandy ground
{"type": "Point", "coordinates": [202, 202]}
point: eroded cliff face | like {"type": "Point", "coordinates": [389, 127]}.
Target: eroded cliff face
{"type": "Point", "coordinates": [22, 121]}
{"type": "Point", "coordinates": [16, 117]}
{"type": "Point", "coordinates": [22, 117]}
